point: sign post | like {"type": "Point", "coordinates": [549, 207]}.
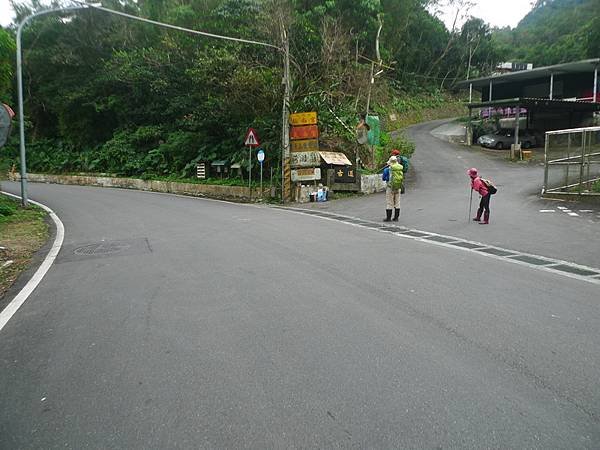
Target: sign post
{"type": "Point", "coordinates": [251, 140]}
{"type": "Point", "coordinates": [261, 157]}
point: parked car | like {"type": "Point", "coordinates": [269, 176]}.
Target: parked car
{"type": "Point", "coordinates": [504, 138]}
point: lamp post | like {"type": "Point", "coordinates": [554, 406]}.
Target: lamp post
{"type": "Point", "coordinates": [24, 200]}
{"type": "Point", "coordinates": [285, 50]}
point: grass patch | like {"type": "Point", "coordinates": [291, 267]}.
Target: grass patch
{"type": "Point", "coordinates": [23, 231]}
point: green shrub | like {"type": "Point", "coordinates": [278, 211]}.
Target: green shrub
{"type": "Point", "coordinates": [388, 143]}
{"type": "Point", "coordinates": [7, 206]}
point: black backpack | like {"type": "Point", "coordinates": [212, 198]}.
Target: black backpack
{"type": "Point", "coordinates": [490, 186]}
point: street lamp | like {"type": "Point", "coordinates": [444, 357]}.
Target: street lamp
{"type": "Point", "coordinates": [24, 201]}
{"type": "Point", "coordinates": [285, 50]}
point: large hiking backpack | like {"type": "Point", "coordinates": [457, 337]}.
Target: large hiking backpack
{"type": "Point", "coordinates": [396, 177]}
{"type": "Point", "coordinates": [404, 162]}
{"type": "Point", "coordinates": [490, 186]}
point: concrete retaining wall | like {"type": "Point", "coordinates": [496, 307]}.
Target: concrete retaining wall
{"type": "Point", "coordinates": [371, 183]}
{"type": "Point", "coordinates": [200, 190]}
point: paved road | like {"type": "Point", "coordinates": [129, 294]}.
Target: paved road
{"type": "Point", "coordinates": [437, 200]}
{"type": "Point", "coordinates": [171, 322]}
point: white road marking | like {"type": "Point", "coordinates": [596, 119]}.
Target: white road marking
{"type": "Point", "coordinates": [594, 279]}
{"type": "Point", "coordinates": [18, 301]}
{"type": "Point", "coordinates": [573, 214]}
{"type": "Point", "coordinates": [586, 210]}
{"type": "Point", "coordinates": [562, 207]}
{"type": "Point", "coordinates": [547, 210]}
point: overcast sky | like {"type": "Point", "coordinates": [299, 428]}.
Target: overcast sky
{"type": "Point", "coordinates": [498, 13]}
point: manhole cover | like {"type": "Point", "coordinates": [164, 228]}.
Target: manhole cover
{"type": "Point", "coordinates": [104, 248]}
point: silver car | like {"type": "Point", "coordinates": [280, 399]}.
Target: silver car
{"type": "Point", "coordinates": [504, 138]}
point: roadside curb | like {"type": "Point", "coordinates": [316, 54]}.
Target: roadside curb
{"type": "Point", "coordinates": [10, 309]}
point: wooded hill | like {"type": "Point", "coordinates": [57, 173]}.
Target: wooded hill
{"type": "Point", "coordinates": [555, 31]}
{"type": "Point", "coordinates": [108, 94]}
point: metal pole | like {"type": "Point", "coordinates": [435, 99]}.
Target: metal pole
{"type": "Point", "coordinates": [546, 144]}
{"type": "Point", "coordinates": [24, 201]}
{"type": "Point", "coordinates": [250, 171]}
{"type": "Point", "coordinates": [470, 92]}
{"type": "Point", "coordinates": [261, 178]}
{"type": "Point", "coordinates": [551, 84]}
{"type": "Point", "coordinates": [490, 99]}
{"type": "Point", "coordinates": [589, 147]}
{"type": "Point", "coordinates": [581, 164]}
{"type": "Point", "coordinates": [517, 116]}
{"type": "Point", "coordinates": [595, 85]}
{"type": "Point", "coordinates": [568, 159]}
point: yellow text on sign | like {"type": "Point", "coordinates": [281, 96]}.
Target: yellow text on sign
{"type": "Point", "coordinates": [305, 118]}
{"type": "Point", "coordinates": [305, 145]}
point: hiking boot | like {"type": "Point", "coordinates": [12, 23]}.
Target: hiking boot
{"type": "Point", "coordinates": [396, 214]}
{"type": "Point", "coordinates": [388, 215]}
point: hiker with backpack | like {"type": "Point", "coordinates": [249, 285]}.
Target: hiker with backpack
{"type": "Point", "coordinates": [485, 188]}
{"type": "Point", "coordinates": [394, 176]}
{"type": "Point", "coordinates": [403, 160]}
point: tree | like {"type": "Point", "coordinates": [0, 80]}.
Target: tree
{"type": "Point", "coordinates": [7, 54]}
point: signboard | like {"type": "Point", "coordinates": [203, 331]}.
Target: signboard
{"type": "Point", "coordinates": [260, 155]}
{"type": "Point", "coordinates": [306, 145]}
{"type": "Point", "coordinates": [306, 132]}
{"type": "Point", "coordinates": [314, 173]}
{"type": "Point", "coordinates": [305, 118]}
{"type": "Point", "coordinates": [345, 174]}
{"type": "Point", "coordinates": [251, 139]}
{"type": "Point", "coordinates": [305, 159]}
{"type": "Point", "coordinates": [201, 170]}
{"type": "Point", "coordinates": [336, 158]}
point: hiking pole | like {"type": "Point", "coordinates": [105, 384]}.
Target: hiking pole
{"type": "Point", "coordinates": [470, 203]}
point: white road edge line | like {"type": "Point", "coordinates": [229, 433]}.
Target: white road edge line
{"type": "Point", "coordinates": [10, 310]}
{"type": "Point", "coordinates": [594, 279]}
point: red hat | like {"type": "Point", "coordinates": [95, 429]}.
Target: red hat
{"type": "Point", "coordinates": [395, 152]}
{"type": "Point", "coordinates": [472, 172]}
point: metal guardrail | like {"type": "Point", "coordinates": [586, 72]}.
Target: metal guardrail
{"type": "Point", "coordinates": [572, 162]}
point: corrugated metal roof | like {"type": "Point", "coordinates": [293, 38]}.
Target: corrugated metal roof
{"type": "Point", "coordinates": [528, 102]}
{"type": "Point", "coordinates": [586, 65]}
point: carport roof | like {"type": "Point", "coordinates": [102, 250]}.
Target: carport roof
{"type": "Point", "coordinates": [534, 103]}
{"type": "Point", "coordinates": [586, 65]}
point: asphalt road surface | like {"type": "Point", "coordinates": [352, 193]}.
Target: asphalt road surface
{"type": "Point", "coordinates": [173, 322]}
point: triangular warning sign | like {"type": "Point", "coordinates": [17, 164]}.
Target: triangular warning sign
{"type": "Point", "coordinates": [251, 139]}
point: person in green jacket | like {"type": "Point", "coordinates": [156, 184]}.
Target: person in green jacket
{"type": "Point", "coordinates": [394, 176]}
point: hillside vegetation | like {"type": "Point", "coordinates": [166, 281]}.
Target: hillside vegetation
{"type": "Point", "coordinates": [555, 31]}
{"type": "Point", "coordinates": [112, 95]}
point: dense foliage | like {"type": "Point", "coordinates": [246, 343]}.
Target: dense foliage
{"type": "Point", "coordinates": [109, 94]}
{"type": "Point", "coordinates": [555, 31]}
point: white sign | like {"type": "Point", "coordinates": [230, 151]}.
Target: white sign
{"type": "Point", "coordinates": [260, 155]}
{"type": "Point", "coordinates": [305, 159]}
{"type": "Point", "coordinates": [313, 173]}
